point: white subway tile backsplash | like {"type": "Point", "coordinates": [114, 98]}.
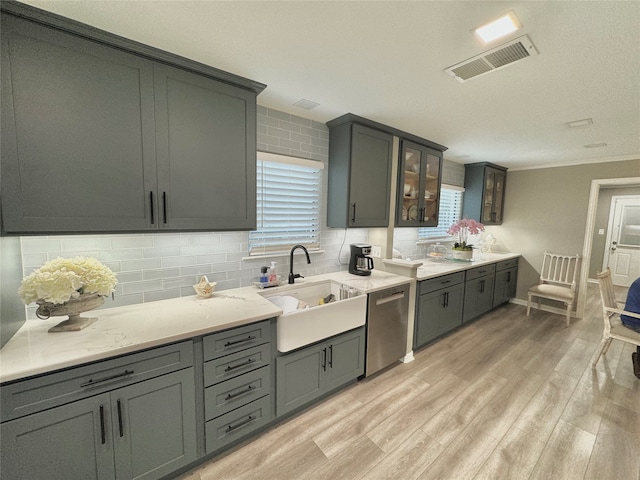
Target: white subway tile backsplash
{"type": "Point", "coordinates": [129, 265]}
{"type": "Point", "coordinates": [141, 287]}
{"type": "Point", "coordinates": [161, 273]}
{"type": "Point", "coordinates": [50, 246]}
{"type": "Point", "coordinates": [120, 254]}
{"type": "Point", "coordinates": [170, 240]}
{"type": "Point", "coordinates": [159, 252]}
{"type": "Point", "coordinates": [136, 241]}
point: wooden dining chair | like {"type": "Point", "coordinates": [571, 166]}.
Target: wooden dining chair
{"type": "Point", "coordinates": [613, 327]}
{"type": "Point", "coordinates": [557, 281]}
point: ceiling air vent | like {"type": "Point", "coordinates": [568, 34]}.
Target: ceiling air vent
{"type": "Point", "coordinates": [493, 59]}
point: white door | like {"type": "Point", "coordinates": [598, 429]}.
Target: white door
{"type": "Point", "coordinates": [623, 239]}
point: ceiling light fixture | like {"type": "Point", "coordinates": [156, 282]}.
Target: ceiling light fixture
{"type": "Point", "coordinates": [580, 123]}
{"type": "Point", "coordinates": [306, 104]}
{"type": "Point", "coordinates": [498, 28]}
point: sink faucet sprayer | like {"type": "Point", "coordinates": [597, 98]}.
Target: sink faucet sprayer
{"type": "Point", "coordinates": [293, 276]}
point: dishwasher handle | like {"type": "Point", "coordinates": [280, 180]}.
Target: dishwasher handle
{"type": "Point", "coordinates": [390, 298]}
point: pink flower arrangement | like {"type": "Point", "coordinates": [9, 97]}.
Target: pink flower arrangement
{"type": "Point", "coordinates": [463, 228]}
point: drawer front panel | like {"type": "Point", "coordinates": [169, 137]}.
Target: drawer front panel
{"type": "Point", "coordinates": [478, 272]}
{"type": "Point", "coordinates": [230, 341]}
{"type": "Point", "coordinates": [237, 424]}
{"type": "Point", "coordinates": [29, 396]}
{"type": "Point", "coordinates": [507, 264]}
{"type": "Point", "coordinates": [231, 366]}
{"type": "Point", "coordinates": [433, 284]}
{"type": "Point", "coordinates": [226, 396]}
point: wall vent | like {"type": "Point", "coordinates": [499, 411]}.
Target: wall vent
{"type": "Point", "coordinates": [494, 59]}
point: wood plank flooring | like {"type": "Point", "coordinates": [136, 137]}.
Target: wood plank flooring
{"type": "Point", "coordinates": [506, 397]}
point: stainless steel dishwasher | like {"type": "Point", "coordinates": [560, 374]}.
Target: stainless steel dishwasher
{"type": "Point", "coordinates": [386, 327]}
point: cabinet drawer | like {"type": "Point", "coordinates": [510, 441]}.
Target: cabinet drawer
{"type": "Point", "coordinates": [478, 272]}
{"type": "Point", "coordinates": [237, 423]}
{"type": "Point", "coordinates": [29, 396]}
{"type": "Point", "coordinates": [433, 284]}
{"type": "Point", "coordinates": [504, 265]}
{"type": "Point", "coordinates": [236, 364]}
{"type": "Point", "coordinates": [234, 340]}
{"type": "Point", "coordinates": [226, 396]}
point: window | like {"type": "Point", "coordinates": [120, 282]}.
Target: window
{"type": "Point", "coordinates": [288, 204]}
{"type": "Point", "coordinates": [449, 212]}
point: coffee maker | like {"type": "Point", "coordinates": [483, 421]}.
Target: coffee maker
{"type": "Point", "coordinates": [360, 262]}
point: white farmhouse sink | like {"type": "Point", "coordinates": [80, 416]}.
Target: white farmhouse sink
{"type": "Point", "coordinates": [298, 327]}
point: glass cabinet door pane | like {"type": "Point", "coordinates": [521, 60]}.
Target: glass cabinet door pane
{"type": "Point", "coordinates": [431, 175]}
{"type": "Point", "coordinates": [411, 160]}
{"type": "Point", "coordinates": [499, 195]}
{"type": "Point", "coordinates": [487, 199]}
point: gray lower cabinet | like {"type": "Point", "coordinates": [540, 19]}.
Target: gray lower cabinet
{"type": "Point", "coordinates": [145, 431]}
{"type": "Point", "coordinates": [478, 291]}
{"type": "Point", "coordinates": [238, 383]}
{"type": "Point", "coordinates": [506, 281]}
{"type": "Point", "coordinates": [102, 139]}
{"type": "Point", "coordinates": [439, 307]}
{"type": "Point", "coordinates": [309, 373]}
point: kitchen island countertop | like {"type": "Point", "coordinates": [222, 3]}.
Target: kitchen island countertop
{"type": "Point", "coordinates": [127, 329]}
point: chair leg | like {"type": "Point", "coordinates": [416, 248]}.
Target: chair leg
{"type": "Point", "coordinates": [602, 350]}
{"type": "Point", "coordinates": [529, 305]}
{"type": "Point", "coordinates": [568, 314]}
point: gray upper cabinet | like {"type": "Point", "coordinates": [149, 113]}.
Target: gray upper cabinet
{"type": "Point", "coordinates": [78, 137]}
{"type": "Point", "coordinates": [484, 185]}
{"type": "Point", "coordinates": [101, 139]}
{"type": "Point", "coordinates": [419, 178]}
{"type": "Point", "coordinates": [359, 175]}
{"type": "Point", "coordinates": [206, 151]}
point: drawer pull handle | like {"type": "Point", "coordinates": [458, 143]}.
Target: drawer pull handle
{"type": "Point", "coordinates": [444, 282]}
{"type": "Point", "coordinates": [250, 388]}
{"type": "Point", "coordinates": [236, 342]}
{"type": "Point", "coordinates": [240, 365]}
{"type": "Point", "coordinates": [249, 419]}
{"type": "Point", "coordinates": [91, 383]}
{"type": "Point", "coordinates": [103, 435]}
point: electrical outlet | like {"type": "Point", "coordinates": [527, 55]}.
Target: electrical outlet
{"type": "Point", "coordinates": [376, 251]}
{"type": "Point", "coordinates": [601, 231]}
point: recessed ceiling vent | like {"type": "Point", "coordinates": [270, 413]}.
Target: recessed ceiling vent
{"type": "Point", "coordinates": [494, 59]}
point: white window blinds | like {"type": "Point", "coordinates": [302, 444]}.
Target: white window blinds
{"type": "Point", "coordinates": [288, 204]}
{"type": "Point", "coordinates": [449, 212]}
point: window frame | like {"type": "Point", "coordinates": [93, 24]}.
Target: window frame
{"type": "Point", "coordinates": [257, 245]}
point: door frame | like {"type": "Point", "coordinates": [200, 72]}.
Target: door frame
{"type": "Point", "coordinates": [612, 210]}
{"type": "Point", "coordinates": [590, 228]}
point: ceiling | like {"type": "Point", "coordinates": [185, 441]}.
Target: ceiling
{"type": "Point", "coordinates": [385, 60]}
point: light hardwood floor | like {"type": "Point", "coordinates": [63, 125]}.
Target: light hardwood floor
{"type": "Point", "coordinates": [506, 397]}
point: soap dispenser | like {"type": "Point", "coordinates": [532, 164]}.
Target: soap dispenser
{"type": "Point", "coordinates": [273, 276]}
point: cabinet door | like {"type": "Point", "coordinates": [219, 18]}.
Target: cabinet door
{"type": "Point", "coordinates": [498, 200]}
{"type": "Point", "coordinates": [418, 186]}
{"type": "Point", "coordinates": [427, 317]}
{"type": "Point", "coordinates": [370, 177]}
{"type": "Point", "coordinates": [73, 441]}
{"type": "Point", "coordinates": [345, 358]}
{"type": "Point", "coordinates": [505, 286]}
{"type": "Point", "coordinates": [488, 196]}
{"type": "Point", "coordinates": [154, 426]}
{"type": "Point", "coordinates": [206, 134]}
{"type": "Point", "coordinates": [451, 313]}
{"type": "Point", "coordinates": [300, 377]}
{"type": "Point", "coordinates": [478, 297]}
{"type": "Point", "coordinates": [78, 139]}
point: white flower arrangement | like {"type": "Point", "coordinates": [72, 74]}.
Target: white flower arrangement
{"type": "Point", "coordinates": [59, 280]}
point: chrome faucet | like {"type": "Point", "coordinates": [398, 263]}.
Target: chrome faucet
{"type": "Point", "coordinates": [292, 276]}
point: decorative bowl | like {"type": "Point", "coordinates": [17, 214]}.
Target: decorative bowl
{"type": "Point", "coordinates": [205, 288]}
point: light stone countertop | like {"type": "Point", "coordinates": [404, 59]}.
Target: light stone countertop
{"type": "Point", "coordinates": [127, 329]}
{"type": "Point", "coordinates": [426, 268]}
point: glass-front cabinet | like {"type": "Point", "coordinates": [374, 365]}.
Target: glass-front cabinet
{"type": "Point", "coordinates": [493, 199]}
{"type": "Point", "coordinates": [419, 177]}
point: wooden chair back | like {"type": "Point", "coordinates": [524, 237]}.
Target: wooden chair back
{"type": "Point", "coordinates": [560, 269]}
